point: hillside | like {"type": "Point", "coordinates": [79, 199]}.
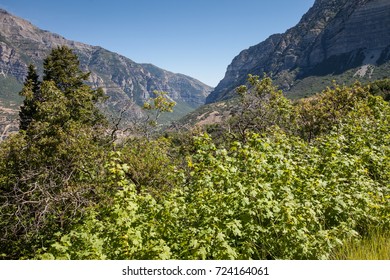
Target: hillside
{"type": "Point", "coordinates": [335, 40]}
{"type": "Point", "coordinates": [122, 79]}
{"type": "Point", "coordinates": [265, 178]}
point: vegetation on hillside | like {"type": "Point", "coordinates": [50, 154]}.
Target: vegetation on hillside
{"type": "Point", "coordinates": [279, 179]}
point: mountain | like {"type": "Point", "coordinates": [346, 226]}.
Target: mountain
{"type": "Point", "coordinates": [124, 80]}
{"type": "Point", "coordinates": [336, 39]}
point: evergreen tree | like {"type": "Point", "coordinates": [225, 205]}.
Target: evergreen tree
{"type": "Point", "coordinates": [31, 92]}
{"type": "Point", "coordinates": [51, 173]}
{"type": "Point", "coordinates": [63, 68]}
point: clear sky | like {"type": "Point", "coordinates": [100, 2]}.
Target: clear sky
{"type": "Point", "coordinates": [198, 38]}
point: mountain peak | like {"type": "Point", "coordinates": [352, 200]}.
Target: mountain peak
{"type": "Point", "coordinates": [332, 37]}
{"type": "Point", "coordinates": [2, 11]}
{"type": "Point", "coordinates": [22, 43]}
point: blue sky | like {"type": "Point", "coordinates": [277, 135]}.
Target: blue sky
{"type": "Point", "coordinates": [198, 38]}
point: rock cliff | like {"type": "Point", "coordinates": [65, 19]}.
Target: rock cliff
{"type": "Point", "coordinates": [331, 38]}
{"type": "Point", "coordinates": [122, 79]}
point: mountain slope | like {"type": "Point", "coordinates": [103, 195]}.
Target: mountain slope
{"type": "Point", "coordinates": [122, 79]}
{"type": "Point", "coordinates": [334, 36]}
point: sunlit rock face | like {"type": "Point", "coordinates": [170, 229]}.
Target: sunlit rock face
{"type": "Point", "coordinates": [124, 80]}
{"type": "Point", "coordinates": [332, 37]}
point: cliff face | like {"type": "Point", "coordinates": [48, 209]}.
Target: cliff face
{"type": "Point", "coordinates": [122, 79]}
{"type": "Point", "coordinates": [332, 37]}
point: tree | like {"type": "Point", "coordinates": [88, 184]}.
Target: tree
{"type": "Point", "coordinates": [50, 172]}
{"type": "Point", "coordinates": [382, 88]}
{"type": "Point", "coordinates": [261, 106]}
{"type": "Point", "coordinates": [320, 113]}
{"type": "Point", "coordinates": [63, 68]}
{"type": "Point", "coordinates": [31, 92]}
{"type": "Point", "coordinates": [145, 123]}
{"type": "Point", "coordinates": [272, 195]}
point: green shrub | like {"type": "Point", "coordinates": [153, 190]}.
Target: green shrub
{"type": "Point", "coordinates": [273, 197]}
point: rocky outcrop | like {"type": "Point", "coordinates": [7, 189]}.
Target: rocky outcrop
{"type": "Point", "coordinates": [121, 78]}
{"type": "Point", "coordinates": [332, 37]}
{"type": "Point", "coordinates": [10, 62]}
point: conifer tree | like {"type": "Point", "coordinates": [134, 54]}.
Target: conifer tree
{"type": "Point", "coordinates": [62, 67]}
{"type": "Point", "coordinates": [31, 92]}
{"type": "Point", "coordinates": [52, 172]}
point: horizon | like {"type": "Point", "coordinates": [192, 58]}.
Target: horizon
{"type": "Point", "coordinates": [195, 38]}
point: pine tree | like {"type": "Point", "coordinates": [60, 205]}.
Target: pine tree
{"type": "Point", "coordinates": [31, 92]}
{"type": "Point", "coordinates": [62, 67]}
{"type": "Point", "coordinates": [51, 173]}
{"type": "Point", "coordinates": [61, 70]}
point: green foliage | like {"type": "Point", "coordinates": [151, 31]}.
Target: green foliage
{"type": "Point", "coordinates": [46, 186]}
{"type": "Point", "coordinates": [291, 181]}
{"type": "Point", "coordinates": [49, 171]}
{"type": "Point", "coordinates": [159, 104]}
{"type": "Point", "coordinates": [321, 113]}
{"type": "Point", "coordinates": [262, 106]}
{"type": "Point", "coordinates": [156, 106]}
{"type": "Point", "coordinates": [381, 88]}
{"type": "Point", "coordinates": [146, 124]}
{"type": "Point", "coordinates": [63, 83]}
{"type": "Point", "coordinates": [276, 197]}
{"type": "Point", "coordinates": [149, 164]}
{"type": "Point", "coordinates": [63, 68]}
{"type": "Point", "coordinates": [31, 93]}
{"type": "Point", "coordinates": [273, 197]}
{"type": "Point", "coordinates": [124, 230]}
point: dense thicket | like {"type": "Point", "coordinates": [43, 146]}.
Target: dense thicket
{"type": "Point", "coordinates": [290, 180]}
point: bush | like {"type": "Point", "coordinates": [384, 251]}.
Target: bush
{"type": "Point", "coordinates": [274, 197]}
{"type": "Point", "coordinates": [276, 193]}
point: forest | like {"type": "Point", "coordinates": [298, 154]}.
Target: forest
{"type": "Point", "coordinates": [278, 179]}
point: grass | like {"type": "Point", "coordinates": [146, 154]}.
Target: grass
{"type": "Point", "coordinates": [374, 246]}
{"type": "Point", "coordinates": [9, 89]}
{"type": "Point", "coordinates": [180, 110]}
{"type": "Point", "coordinates": [314, 84]}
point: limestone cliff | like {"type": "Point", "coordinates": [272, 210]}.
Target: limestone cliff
{"type": "Point", "coordinates": [331, 38]}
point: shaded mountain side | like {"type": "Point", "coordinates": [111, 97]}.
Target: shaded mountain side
{"type": "Point", "coordinates": [332, 38]}
{"type": "Point", "coordinates": [123, 80]}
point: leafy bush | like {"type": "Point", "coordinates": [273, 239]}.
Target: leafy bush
{"type": "Point", "coordinates": [149, 164]}
{"type": "Point", "coordinates": [275, 192]}
{"type": "Point", "coordinates": [273, 197]}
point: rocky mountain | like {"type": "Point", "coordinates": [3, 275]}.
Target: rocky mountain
{"type": "Point", "coordinates": [124, 80]}
{"type": "Point", "coordinates": [338, 39]}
